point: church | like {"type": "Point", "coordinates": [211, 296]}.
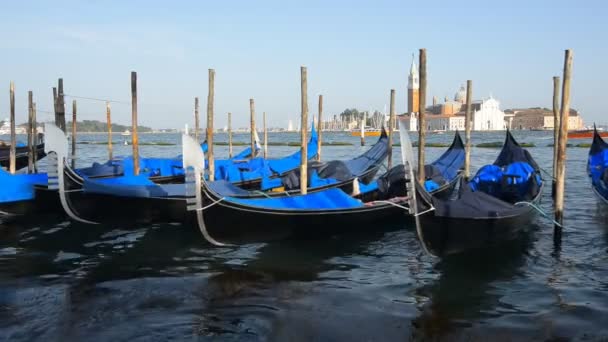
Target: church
{"type": "Point", "coordinates": [450, 115]}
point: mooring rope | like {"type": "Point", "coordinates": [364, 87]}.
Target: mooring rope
{"type": "Point", "coordinates": [259, 192]}
{"type": "Point", "coordinates": [393, 204]}
{"type": "Point", "coordinates": [211, 205]}
{"type": "Point", "coordinates": [541, 211]}
{"type": "Point", "coordinates": [426, 211]}
{"type": "Point", "coordinates": [548, 173]}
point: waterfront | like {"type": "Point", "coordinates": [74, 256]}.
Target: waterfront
{"type": "Point", "coordinates": [63, 281]}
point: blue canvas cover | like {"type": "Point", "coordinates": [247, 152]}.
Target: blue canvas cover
{"type": "Point", "coordinates": [280, 166]}
{"type": "Point", "coordinates": [19, 187]}
{"type": "Point", "coordinates": [487, 179]}
{"type": "Point", "coordinates": [452, 160]}
{"type": "Point", "coordinates": [225, 188]}
{"type": "Point", "coordinates": [148, 166]}
{"type": "Point", "coordinates": [597, 165]}
{"type": "Point", "coordinates": [257, 168]}
{"type": "Point", "coordinates": [132, 186]}
{"type": "Point", "coordinates": [327, 199]}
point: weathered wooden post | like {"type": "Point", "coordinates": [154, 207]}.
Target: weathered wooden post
{"type": "Point", "coordinates": [320, 128]}
{"type": "Point", "coordinates": [134, 140]}
{"type": "Point", "coordinates": [55, 110]}
{"type": "Point", "coordinates": [60, 113]}
{"type": "Point", "coordinates": [421, 118]}
{"type": "Point", "coordinates": [73, 134]}
{"type": "Point", "coordinates": [362, 131]}
{"type": "Point", "coordinates": [265, 136]}
{"type": "Point", "coordinates": [561, 152]}
{"type": "Point", "coordinates": [467, 130]}
{"type": "Point", "coordinates": [34, 149]}
{"type": "Point", "coordinates": [229, 135]}
{"type": "Point", "coordinates": [303, 126]}
{"type": "Point", "coordinates": [252, 125]}
{"type": "Point", "coordinates": [30, 134]}
{"type": "Point", "coordinates": [13, 148]}
{"type": "Point", "coordinates": [197, 126]}
{"type": "Point", "coordinates": [109, 123]}
{"type": "Point", "coordinates": [210, 99]}
{"type": "Point", "coordinates": [556, 128]}
{"type": "Point", "coordinates": [391, 124]}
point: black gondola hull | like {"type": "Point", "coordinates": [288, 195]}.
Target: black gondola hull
{"type": "Point", "coordinates": [446, 235]}
{"type": "Point", "coordinates": [45, 202]}
{"type": "Point", "coordinates": [21, 156]}
{"type": "Point", "coordinates": [102, 208]}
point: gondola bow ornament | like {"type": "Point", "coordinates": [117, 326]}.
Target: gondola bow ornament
{"type": "Point", "coordinates": [194, 166]}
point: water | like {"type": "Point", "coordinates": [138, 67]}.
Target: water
{"type": "Point", "coordinates": [63, 281]}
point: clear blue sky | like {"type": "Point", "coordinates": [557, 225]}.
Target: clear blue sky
{"type": "Point", "coordinates": [355, 51]}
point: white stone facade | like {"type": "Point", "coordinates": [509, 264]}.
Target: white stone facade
{"type": "Point", "coordinates": [489, 117]}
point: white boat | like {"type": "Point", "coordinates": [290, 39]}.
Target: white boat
{"type": "Point", "coordinates": [6, 127]}
{"type": "Point", "coordinates": [126, 133]}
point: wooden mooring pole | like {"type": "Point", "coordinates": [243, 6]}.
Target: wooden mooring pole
{"type": "Point", "coordinates": [265, 136]}
{"type": "Point", "coordinates": [362, 130]}
{"type": "Point", "coordinates": [229, 135]}
{"type": "Point", "coordinates": [391, 124]}
{"type": "Point", "coordinates": [320, 128]}
{"type": "Point", "coordinates": [252, 126]}
{"type": "Point", "coordinates": [556, 128]}
{"type": "Point", "coordinates": [467, 131]}
{"type": "Point", "coordinates": [109, 123]}
{"type": "Point", "coordinates": [13, 148]}
{"type": "Point", "coordinates": [303, 126]}
{"type": "Point", "coordinates": [197, 125]}
{"type": "Point", "coordinates": [561, 152]}
{"type": "Point", "coordinates": [73, 134]}
{"type": "Point", "coordinates": [210, 104]}
{"type": "Point", "coordinates": [60, 112]}
{"type": "Point", "coordinates": [30, 134]}
{"type": "Point", "coordinates": [421, 118]}
{"type": "Point", "coordinates": [134, 140]}
{"type": "Point", "coordinates": [34, 150]}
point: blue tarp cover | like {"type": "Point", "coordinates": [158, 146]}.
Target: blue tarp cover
{"type": "Point", "coordinates": [238, 171]}
{"type": "Point", "coordinates": [19, 187]}
{"type": "Point", "coordinates": [328, 199]}
{"type": "Point", "coordinates": [132, 186]}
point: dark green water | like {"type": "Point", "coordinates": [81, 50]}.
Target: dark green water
{"type": "Point", "coordinates": [62, 282]}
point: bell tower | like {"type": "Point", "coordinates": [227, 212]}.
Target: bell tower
{"type": "Point", "coordinates": [413, 87]}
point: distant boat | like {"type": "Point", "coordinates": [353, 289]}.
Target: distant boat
{"type": "Point", "coordinates": [6, 127]}
{"type": "Point", "coordinates": [585, 134]}
{"type": "Point", "coordinates": [369, 132]}
{"type": "Point", "coordinates": [126, 133]}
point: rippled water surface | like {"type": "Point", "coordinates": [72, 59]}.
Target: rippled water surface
{"type": "Point", "coordinates": [64, 281]}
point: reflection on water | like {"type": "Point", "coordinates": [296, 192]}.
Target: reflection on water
{"type": "Point", "coordinates": [65, 281]}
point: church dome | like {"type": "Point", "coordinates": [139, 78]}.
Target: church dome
{"type": "Point", "coordinates": [461, 95]}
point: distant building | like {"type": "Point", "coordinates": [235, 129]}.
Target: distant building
{"type": "Point", "coordinates": [542, 118]}
{"type": "Point", "coordinates": [488, 116]}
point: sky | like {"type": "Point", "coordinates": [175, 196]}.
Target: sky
{"type": "Point", "coordinates": [355, 52]}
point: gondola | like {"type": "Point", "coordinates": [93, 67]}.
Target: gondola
{"type": "Point", "coordinates": [230, 220]}
{"type": "Point", "coordinates": [497, 204]}
{"type": "Point", "coordinates": [21, 155]}
{"type": "Point", "coordinates": [597, 166]}
{"type": "Point", "coordinates": [141, 196]}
